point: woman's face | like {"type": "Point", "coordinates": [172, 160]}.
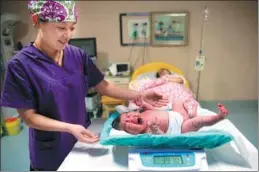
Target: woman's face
{"type": "Point", "coordinates": [163, 72]}
{"type": "Point", "coordinates": [56, 34]}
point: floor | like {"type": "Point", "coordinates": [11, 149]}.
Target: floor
{"type": "Point", "coordinates": [243, 114]}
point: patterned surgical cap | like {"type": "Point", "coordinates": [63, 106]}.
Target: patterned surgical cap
{"type": "Point", "coordinates": [54, 10]}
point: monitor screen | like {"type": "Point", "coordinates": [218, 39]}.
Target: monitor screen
{"type": "Point", "coordinates": [87, 44]}
{"type": "Point", "coordinates": [122, 67]}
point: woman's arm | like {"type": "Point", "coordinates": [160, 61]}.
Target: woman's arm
{"type": "Point", "coordinates": [114, 91]}
{"type": "Point", "coordinates": [146, 99]}
{"type": "Point", "coordinates": [40, 122]}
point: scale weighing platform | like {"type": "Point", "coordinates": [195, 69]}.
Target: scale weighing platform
{"type": "Point", "coordinates": [141, 159]}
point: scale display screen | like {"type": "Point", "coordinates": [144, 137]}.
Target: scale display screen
{"type": "Point", "coordinates": [167, 160]}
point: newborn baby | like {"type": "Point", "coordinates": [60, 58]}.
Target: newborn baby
{"type": "Point", "coordinates": [164, 122]}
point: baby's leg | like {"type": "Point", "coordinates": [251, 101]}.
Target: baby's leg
{"type": "Point", "coordinates": [179, 107]}
{"type": "Point", "coordinates": [198, 122]}
{"type": "Point", "coordinates": [191, 106]}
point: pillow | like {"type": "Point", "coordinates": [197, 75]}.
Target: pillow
{"type": "Point", "coordinates": [200, 139]}
{"type": "Point", "coordinates": [151, 75]}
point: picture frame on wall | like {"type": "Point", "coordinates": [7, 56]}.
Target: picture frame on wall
{"type": "Point", "coordinates": [135, 29]}
{"type": "Point", "coordinates": [169, 28]}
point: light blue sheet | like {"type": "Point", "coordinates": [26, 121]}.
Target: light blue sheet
{"type": "Point", "coordinates": [191, 140]}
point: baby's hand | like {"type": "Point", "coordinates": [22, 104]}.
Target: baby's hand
{"type": "Point", "coordinates": [153, 122]}
{"type": "Point", "coordinates": [154, 127]}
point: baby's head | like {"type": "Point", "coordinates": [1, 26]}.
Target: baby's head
{"type": "Point", "coordinates": [131, 122]}
{"type": "Point", "coordinates": [162, 72]}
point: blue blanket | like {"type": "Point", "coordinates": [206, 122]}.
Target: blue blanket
{"type": "Point", "coordinates": [191, 140]}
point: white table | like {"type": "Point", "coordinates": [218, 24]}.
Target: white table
{"type": "Point", "coordinates": [96, 157]}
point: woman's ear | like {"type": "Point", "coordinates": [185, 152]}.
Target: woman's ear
{"type": "Point", "coordinates": [35, 21]}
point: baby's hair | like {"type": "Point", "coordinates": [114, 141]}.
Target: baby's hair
{"type": "Point", "coordinates": [116, 123]}
{"type": "Point", "coordinates": [158, 75]}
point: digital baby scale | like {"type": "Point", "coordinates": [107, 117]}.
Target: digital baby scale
{"type": "Point", "coordinates": [140, 159]}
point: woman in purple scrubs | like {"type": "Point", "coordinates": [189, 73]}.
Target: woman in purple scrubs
{"type": "Point", "coordinates": [47, 82]}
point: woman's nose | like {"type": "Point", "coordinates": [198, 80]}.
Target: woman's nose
{"type": "Point", "coordinates": [65, 35]}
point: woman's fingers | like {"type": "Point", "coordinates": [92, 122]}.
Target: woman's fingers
{"type": "Point", "coordinates": [158, 95]}
{"type": "Point", "coordinates": [83, 135]}
{"type": "Point", "coordinates": [162, 98]}
{"type": "Point", "coordinates": [89, 134]}
{"type": "Point", "coordinates": [87, 139]}
{"type": "Point", "coordinates": [160, 103]}
{"type": "Point", "coordinates": [164, 102]}
{"type": "Point", "coordinates": [148, 106]}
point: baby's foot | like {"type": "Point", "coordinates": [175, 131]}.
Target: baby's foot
{"type": "Point", "coordinates": [223, 112]}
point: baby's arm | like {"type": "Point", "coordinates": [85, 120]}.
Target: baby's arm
{"type": "Point", "coordinates": [156, 130]}
{"type": "Point", "coordinates": [154, 127]}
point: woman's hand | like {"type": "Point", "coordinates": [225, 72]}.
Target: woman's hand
{"type": "Point", "coordinates": [82, 134]}
{"type": "Point", "coordinates": [152, 100]}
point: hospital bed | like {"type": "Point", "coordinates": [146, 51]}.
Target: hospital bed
{"type": "Point", "coordinates": [236, 155]}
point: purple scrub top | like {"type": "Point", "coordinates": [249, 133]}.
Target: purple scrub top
{"type": "Point", "coordinates": [34, 81]}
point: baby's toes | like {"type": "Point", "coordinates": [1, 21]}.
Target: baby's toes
{"type": "Point", "coordinates": [226, 111]}
{"type": "Point", "coordinates": [223, 110]}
